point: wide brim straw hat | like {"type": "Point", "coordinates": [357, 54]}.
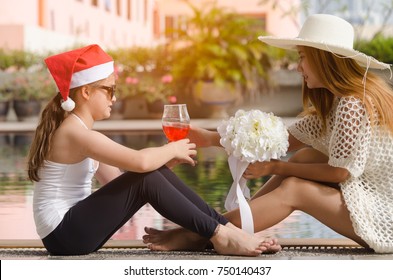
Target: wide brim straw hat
{"type": "Point", "coordinates": [329, 33]}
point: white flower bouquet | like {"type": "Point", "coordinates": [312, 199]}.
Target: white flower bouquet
{"type": "Point", "coordinates": [247, 137]}
{"type": "Point", "coordinates": [254, 136]}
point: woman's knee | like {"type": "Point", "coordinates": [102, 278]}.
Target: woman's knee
{"type": "Point", "coordinates": [293, 189]}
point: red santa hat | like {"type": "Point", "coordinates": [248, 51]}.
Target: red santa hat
{"type": "Point", "coordinates": [77, 68]}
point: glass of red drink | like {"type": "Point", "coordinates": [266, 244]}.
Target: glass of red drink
{"type": "Point", "coordinates": [175, 121]}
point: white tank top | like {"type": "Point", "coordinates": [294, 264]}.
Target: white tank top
{"type": "Point", "coordinates": [60, 187]}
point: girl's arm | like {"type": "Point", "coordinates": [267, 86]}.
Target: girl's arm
{"type": "Point", "coordinates": [206, 138]}
{"type": "Point", "coordinates": [99, 147]}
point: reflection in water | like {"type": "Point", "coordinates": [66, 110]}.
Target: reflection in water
{"type": "Point", "coordinates": [211, 179]}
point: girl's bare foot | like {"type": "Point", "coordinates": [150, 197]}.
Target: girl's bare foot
{"type": "Point", "coordinates": [177, 239]}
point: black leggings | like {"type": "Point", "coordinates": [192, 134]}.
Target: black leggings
{"type": "Point", "coordinates": [91, 222]}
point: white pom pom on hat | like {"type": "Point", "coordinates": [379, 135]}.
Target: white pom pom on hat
{"type": "Point", "coordinates": [68, 105]}
{"type": "Point", "coordinates": [77, 68]}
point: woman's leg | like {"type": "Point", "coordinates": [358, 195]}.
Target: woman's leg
{"type": "Point", "coordinates": [286, 194]}
{"type": "Point", "coordinates": [305, 155]}
{"type": "Point", "coordinates": [320, 201]}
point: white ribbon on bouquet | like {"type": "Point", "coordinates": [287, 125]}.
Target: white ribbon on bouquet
{"type": "Point", "coordinates": [238, 193]}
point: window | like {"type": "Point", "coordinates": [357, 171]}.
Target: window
{"type": "Point", "coordinates": [129, 9]}
{"type": "Point", "coordinates": [87, 30]}
{"type": "Point", "coordinates": [72, 26]}
{"type": "Point", "coordinates": [52, 20]}
{"type": "Point", "coordinates": [260, 21]}
{"type": "Point", "coordinates": [94, 3]}
{"type": "Point", "coordinates": [145, 9]}
{"type": "Point", "coordinates": [41, 14]}
{"type": "Point", "coordinates": [156, 23]}
{"type": "Point", "coordinates": [108, 5]}
{"type": "Point", "coordinates": [169, 26]}
{"type": "Point", "coordinates": [118, 7]}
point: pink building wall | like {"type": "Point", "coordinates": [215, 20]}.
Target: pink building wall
{"type": "Point", "coordinates": [42, 25]}
{"type": "Point", "coordinates": [276, 22]}
{"type": "Point", "coordinates": [59, 24]}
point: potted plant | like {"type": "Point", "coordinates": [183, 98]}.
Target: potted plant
{"type": "Point", "coordinates": [143, 80]}
{"type": "Point", "coordinates": [11, 61]}
{"type": "Point", "coordinates": [220, 48]}
{"type": "Point", "coordinates": [5, 98]}
{"type": "Point", "coordinates": [156, 91]}
{"type": "Point", "coordinates": [284, 84]}
{"type": "Point", "coordinates": [29, 89]}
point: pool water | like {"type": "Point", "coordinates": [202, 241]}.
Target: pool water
{"type": "Point", "coordinates": [211, 179]}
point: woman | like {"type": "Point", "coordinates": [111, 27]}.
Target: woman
{"type": "Point", "coordinates": [66, 153]}
{"type": "Point", "coordinates": [340, 172]}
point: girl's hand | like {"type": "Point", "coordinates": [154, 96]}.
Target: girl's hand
{"type": "Point", "coordinates": [184, 151]}
{"type": "Point", "coordinates": [259, 169]}
{"type": "Point", "coordinates": [174, 162]}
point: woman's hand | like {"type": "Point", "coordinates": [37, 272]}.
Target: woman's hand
{"type": "Point", "coordinates": [259, 169]}
{"type": "Point", "coordinates": [184, 152]}
{"type": "Point", "coordinates": [203, 137]}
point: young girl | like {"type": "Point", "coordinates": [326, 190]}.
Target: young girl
{"type": "Point", "coordinates": [341, 170]}
{"type": "Point", "coordinates": [66, 153]}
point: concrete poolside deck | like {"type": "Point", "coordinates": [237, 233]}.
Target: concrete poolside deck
{"type": "Point", "coordinates": [293, 249]}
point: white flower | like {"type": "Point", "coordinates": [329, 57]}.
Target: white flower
{"type": "Point", "coordinates": [254, 136]}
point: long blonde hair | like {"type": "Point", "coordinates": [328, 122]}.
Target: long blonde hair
{"type": "Point", "coordinates": [344, 78]}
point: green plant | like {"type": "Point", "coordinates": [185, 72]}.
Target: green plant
{"type": "Point", "coordinates": [17, 59]}
{"type": "Point", "coordinates": [147, 86]}
{"type": "Point", "coordinates": [5, 92]}
{"type": "Point", "coordinates": [5, 95]}
{"type": "Point", "coordinates": [379, 47]}
{"type": "Point", "coordinates": [220, 46]}
{"type": "Point", "coordinates": [31, 84]}
{"type": "Point", "coordinates": [143, 72]}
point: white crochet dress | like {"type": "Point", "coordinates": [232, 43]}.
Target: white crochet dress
{"type": "Point", "coordinates": [367, 153]}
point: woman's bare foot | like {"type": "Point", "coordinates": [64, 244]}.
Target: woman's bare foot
{"type": "Point", "coordinates": [229, 241]}
{"type": "Point", "coordinates": [270, 243]}
{"type": "Point", "coordinates": [177, 239]}
{"type": "Point", "coordinates": [272, 246]}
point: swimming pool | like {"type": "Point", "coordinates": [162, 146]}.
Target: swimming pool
{"type": "Point", "coordinates": [211, 179]}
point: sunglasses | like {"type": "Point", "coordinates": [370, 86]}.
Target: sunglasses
{"type": "Point", "coordinates": [111, 90]}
